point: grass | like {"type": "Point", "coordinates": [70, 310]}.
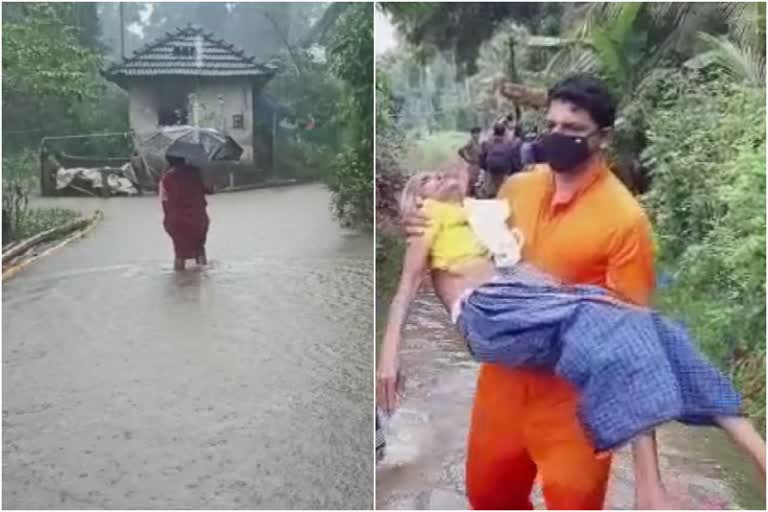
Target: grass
{"type": "Point", "coordinates": [20, 178]}
{"type": "Point", "coordinates": [433, 151]}
{"type": "Point", "coordinates": [38, 220]}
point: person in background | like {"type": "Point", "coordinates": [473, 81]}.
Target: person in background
{"type": "Point", "coordinates": [470, 153]}
{"type": "Point", "coordinates": [182, 193]}
{"type": "Point", "coordinates": [512, 123]}
{"type": "Point", "coordinates": [499, 159]}
{"type": "Point", "coordinates": [527, 148]}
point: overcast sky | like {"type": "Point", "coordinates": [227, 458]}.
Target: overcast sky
{"type": "Point", "coordinates": [385, 38]}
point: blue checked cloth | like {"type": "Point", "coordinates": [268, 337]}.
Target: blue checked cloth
{"type": "Point", "coordinates": [634, 368]}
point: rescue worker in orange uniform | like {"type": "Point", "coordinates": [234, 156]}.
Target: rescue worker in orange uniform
{"type": "Point", "coordinates": [583, 226]}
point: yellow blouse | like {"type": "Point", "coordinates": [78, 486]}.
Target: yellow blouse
{"type": "Point", "coordinates": [452, 241]}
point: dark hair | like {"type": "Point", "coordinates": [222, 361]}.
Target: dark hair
{"type": "Point", "coordinates": [475, 129]}
{"type": "Point", "coordinates": [499, 129]}
{"type": "Point", "coordinates": [510, 117]}
{"type": "Point", "coordinates": [588, 92]}
{"type": "Point", "coordinates": [175, 161]}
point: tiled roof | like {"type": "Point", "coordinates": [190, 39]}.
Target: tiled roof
{"type": "Point", "coordinates": [189, 52]}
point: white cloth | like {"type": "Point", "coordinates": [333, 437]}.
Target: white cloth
{"type": "Point", "coordinates": [488, 220]}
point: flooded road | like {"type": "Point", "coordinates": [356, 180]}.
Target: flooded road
{"type": "Point", "coordinates": [426, 438]}
{"type": "Point", "coordinates": [247, 385]}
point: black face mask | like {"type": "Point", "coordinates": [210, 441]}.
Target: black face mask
{"type": "Point", "coordinates": [565, 153]}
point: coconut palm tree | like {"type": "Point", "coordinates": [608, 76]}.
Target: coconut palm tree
{"type": "Point", "coordinates": [741, 53]}
{"type": "Point", "coordinates": [625, 41]}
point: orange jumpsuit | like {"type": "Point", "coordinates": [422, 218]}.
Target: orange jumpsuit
{"type": "Point", "coordinates": [525, 422]}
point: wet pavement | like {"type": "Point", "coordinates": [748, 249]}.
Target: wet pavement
{"type": "Point", "coordinates": [426, 438]}
{"type": "Point", "coordinates": [245, 385]}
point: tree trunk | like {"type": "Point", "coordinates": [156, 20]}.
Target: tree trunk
{"type": "Point", "coordinates": [523, 95]}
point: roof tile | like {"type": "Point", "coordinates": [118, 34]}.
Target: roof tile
{"type": "Point", "coordinates": [189, 52]}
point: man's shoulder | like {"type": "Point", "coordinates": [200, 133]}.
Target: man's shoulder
{"type": "Point", "coordinates": [527, 183]}
{"type": "Point", "coordinates": [622, 195]}
{"type": "Point", "coordinates": [537, 175]}
{"type": "Point", "coordinates": [626, 210]}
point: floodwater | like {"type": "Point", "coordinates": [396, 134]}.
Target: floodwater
{"type": "Point", "coordinates": [245, 385]}
{"type": "Point", "coordinates": [426, 438]}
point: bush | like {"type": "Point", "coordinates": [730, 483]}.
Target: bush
{"type": "Point", "coordinates": [20, 174]}
{"type": "Point", "coordinates": [707, 155]}
{"type": "Point", "coordinates": [18, 182]}
{"type": "Point", "coordinates": [351, 59]}
{"type": "Point", "coordinates": [352, 189]}
{"type": "Point", "coordinates": [303, 160]}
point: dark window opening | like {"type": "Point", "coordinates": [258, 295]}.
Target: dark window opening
{"type": "Point", "coordinates": [184, 51]}
{"type": "Point", "coordinates": [170, 116]}
{"type": "Point", "coordinates": [238, 123]}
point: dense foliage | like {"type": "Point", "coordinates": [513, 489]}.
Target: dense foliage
{"type": "Point", "coordinates": [51, 81]}
{"type": "Point", "coordinates": [707, 151]}
{"type": "Point", "coordinates": [351, 57]}
{"type": "Point", "coordinates": [20, 218]}
{"type": "Point", "coordinates": [51, 86]}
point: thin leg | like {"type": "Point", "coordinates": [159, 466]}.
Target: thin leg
{"type": "Point", "coordinates": [178, 264]}
{"type": "Point", "coordinates": [202, 258]}
{"type": "Point", "coordinates": [744, 434]}
{"type": "Point", "coordinates": [650, 493]}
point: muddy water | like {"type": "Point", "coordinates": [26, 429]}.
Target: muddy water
{"type": "Point", "coordinates": [246, 385]}
{"type": "Point", "coordinates": [424, 465]}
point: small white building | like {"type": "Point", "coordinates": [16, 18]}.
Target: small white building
{"type": "Point", "coordinates": [190, 77]}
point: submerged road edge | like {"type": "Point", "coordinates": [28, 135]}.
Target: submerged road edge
{"type": "Point", "coordinates": [12, 271]}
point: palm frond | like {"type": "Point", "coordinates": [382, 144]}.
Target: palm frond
{"type": "Point", "coordinates": [739, 61]}
{"type": "Point", "coordinates": [678, 22]}
{"type": "Point", "coordinates": [577, 57]}
{"type": "Point", "coordinates": [747, 24]}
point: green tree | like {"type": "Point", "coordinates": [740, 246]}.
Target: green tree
{"type": "Point", "coordinates": [351, 59]}
{"type": "Point", "coordinates": [462, 28]}
{"type": "Point", "coordinates": [44, 58]}
{"type": "Point", "coordinates": [50, 75]}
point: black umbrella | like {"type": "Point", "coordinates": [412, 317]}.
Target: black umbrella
{"type": "Point", "coordinates": [194, 145]}
{"type": "Point", "coordinates": [192, 153]}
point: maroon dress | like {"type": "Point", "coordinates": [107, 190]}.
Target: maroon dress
{"type": "Point", "coordinates": [182, 193]}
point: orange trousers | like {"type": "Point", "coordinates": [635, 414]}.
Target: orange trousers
{"type": "Point", "coordinates": [525, 423]}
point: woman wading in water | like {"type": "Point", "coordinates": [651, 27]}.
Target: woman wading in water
{"type": "Point", "coordinates": [182, 193]}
